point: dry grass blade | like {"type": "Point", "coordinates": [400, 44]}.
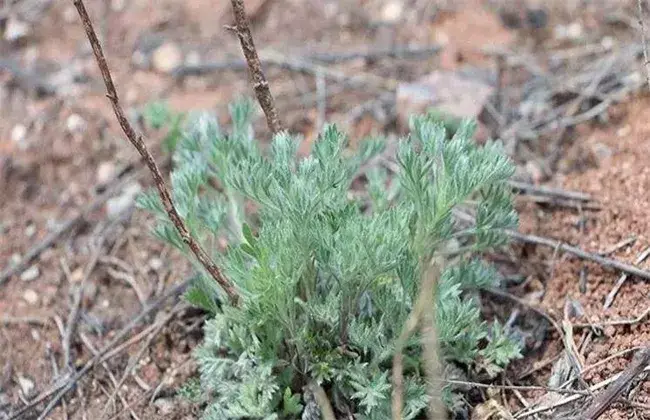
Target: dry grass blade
{"type": "Point", "coordinates": [138, 143]}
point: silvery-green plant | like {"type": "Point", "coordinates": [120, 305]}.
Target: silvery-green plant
{"type": "Point", "coordinates": [328, 274]}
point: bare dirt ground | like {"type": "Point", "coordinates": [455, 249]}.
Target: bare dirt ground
{"type": "Point", "coordinates": [59, 152]}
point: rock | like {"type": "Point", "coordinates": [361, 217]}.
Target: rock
{"type": "Point", "coordinates": [165, 406]}
{"type": "Point", "coordinates": [30, 230]}
{"type": "Point", "coordinates": [30, 274]}
{"type": "Point", "coordinates": [448, 92]}
{"type": "Point", "coordinates": [118, 5]}
{"type": "Point", "coordinates": [115, 206]}
{"type": "Point", "coordinates": [26, 385]}
{"type": "Point", "coordinates": [392, 11]}
{"type": "Point", "coordinates": [30, 296]}
{"type": "Point", "coordinates": [16, 29]}
{"type": "Point", "coordinates": [75, 124]}
{"type": "Point", "coordinates": [105, 172]}
{"type": "Point", "coordinates": [18, 135]}
{"type": "Point", "coordinates": [167, 57]}
{"type": "Point", "coordinates": [155, 263]}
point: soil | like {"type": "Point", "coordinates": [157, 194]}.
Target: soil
{"type": "Point", "coordinates": [56, 152]}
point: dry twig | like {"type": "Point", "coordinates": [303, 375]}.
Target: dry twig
{"type": "Point", "coordinates": [50, 239]}
{"type": "Point", "coordinates": [619, 283]}
{"type": "Point", "coordinates": [606, 398]}
{"type": "Point", "coordinates": [65, 385]}
{"type": "Point", "coordinates": [260, 84]}
{"type": "Point", "coordinates": [137, 142]}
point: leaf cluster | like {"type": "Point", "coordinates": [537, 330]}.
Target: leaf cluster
{"type": "Point", "coordinates": [328, 274]}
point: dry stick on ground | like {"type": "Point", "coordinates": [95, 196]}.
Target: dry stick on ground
{"type": "Point", "coordinates": [111, 376]}
{"type": "Point", "coordinates": [260, 84]}
{"type": "Point", "coordinates": [76, 307]}
{"type": "Point", "coordinates": [552, 243]}
{"type": "Point", "coordinates": [606, 398]}
{"type": "Point", "coordinates": [138, 143]}
{"type": "Point", "coordinates": [62, 388]}
{"type": "Point", "coordinates": [134, 361]}
{"type": "Point", "coordinates": [605, 262]}
{"type": "Point", "coordinates": [619, 283]}
{"type": "Point", "coordinates": [398, 51]}
{"type": "Point", "coordinates": [50, 239]}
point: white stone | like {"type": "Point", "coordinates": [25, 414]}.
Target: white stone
{"type": "Point", "coordinates": [18, 134]}
{"type": "Point", "coordinates": [155, 263]}
{"type": "Point", "coordinates": [16, 29]}
{"type": "Point", "coordinates": [105, 172]}
{"type": "Point", "coordinates": [26, 385]}
{"type": "Point", "coordinates": [75, 124]}
{"type": "Point", "coordinates": [167, 57]}
{"type": "Point", "coordinates": [30, 230]}
{"type": "Point", "coordinates": [30, 296]}
{"type": "Point", "coordinates": [392, 11]}
{"type": "Point", "coordinates": [30, 274]}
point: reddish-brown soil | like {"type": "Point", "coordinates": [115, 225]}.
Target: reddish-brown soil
{"type": "Point", "coordinates": [52, 172]}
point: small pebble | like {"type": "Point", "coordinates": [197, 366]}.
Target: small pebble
{"type": "Point", "coordinates": [30, 297]}
{"type": "Point", "coordinates": [165, 406]}
{"type": "Point", "coordinates": [30, 230]}
{"type": "Point", "coordinates": [30, 274]}
{"type": "Point", "coordinates": [105, 172]}
{"type": "Point", "coordinates": [19, 134]}
{"type": "Point", "coordinates": [155, 263]}
{"type": "Point", "coordinates": [167, 57]}
{"type": "Point", "coordinates": [16, 29]}
{"type": "Point", "coordinates": [26, 385]}
{"type": "Point", "coordinates": [75, 124]}
{"type": "Point", "coordinates": [392, 11]}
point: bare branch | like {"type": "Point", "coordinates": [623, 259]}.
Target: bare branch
{"type": "Point", "coordinates": [139, 144]}
{"type": "Point", "coordinates": [260, 84]}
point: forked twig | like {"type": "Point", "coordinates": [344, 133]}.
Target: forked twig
{"type": "Point", "coordinates": [260, 84]}
{"type": "Point", "coordinates": [138, 143]}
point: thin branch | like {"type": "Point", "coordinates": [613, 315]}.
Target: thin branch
{"type": "Point", "coordinates": [619, 283]}
{"type": "Point", "coordinates": [138, 143]}
{"type": "Point", "coordinates": [260, 84]}
{"type": "Point", "coordinates": [66, 384]}
{"type": "Point", "coordinates": [604, 261]}
{"type": "Point", "coordinates": [68, 225]}
{"type": "Point", "coordinates": [323, 402]}
{"type": "Point", "coordinates": [606, 398]}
